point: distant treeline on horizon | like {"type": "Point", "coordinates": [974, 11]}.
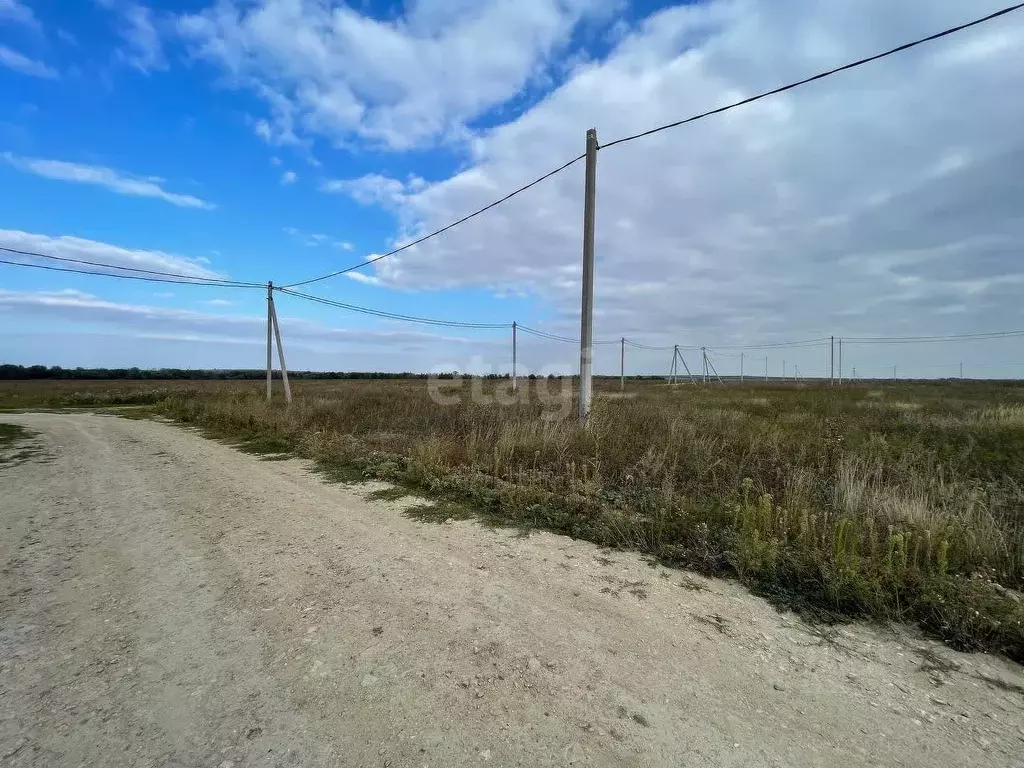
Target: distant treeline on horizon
{"type": "Point", "coordinates": [24, 372]}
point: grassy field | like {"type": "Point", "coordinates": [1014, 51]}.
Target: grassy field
{"type": "Point", "coordinates": [886, 501]}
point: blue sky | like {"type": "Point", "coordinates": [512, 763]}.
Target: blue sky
{"type": "Point", "coordinates": [280, 139]}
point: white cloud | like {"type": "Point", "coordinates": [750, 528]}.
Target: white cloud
{"type": "Point", "coordinates": [263, 130]}
{"type": "Point", "coordinates": [144, 49]}
{"type": "Point", "coordinates": [375, 189]}
{"type": "Point", "coordinates": [289, 177]}
{"type": "Point", "coordinates": [759, 223]}
{"type": "Point", "coordinates": [361, 278]}
{"type": "Point", "coordinates": [18, 13]}
{"type": "Point", "coordinates": [70, 247]}
{"type": "Point", "coordinates": [314, 239]}
{"type": "Point", "coordinates": [219, 303]}
{"type": "Point", "coordinates": [143, 46]}
{"type": "Point", "coordinates": [344, 245]}
{"type": "Point", "coordinates": [79, 309]}
{"type": "Point", "coordinates": [403, 82]}
{"type": "Point", "coordinates": [275, 161]}
{"type": "Point", "coordinates": [11, 59]}
{"type": "Point", "coordinates": [104, 177]}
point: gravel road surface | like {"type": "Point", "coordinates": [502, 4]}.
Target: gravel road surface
{"type": "Point", "coordinates": [168, 601]}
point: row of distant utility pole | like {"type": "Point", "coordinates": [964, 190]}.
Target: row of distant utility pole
{"type": "Point", "coordinates": [586, 318]}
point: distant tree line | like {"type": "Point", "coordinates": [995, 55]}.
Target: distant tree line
{"type": "Point", "coordinates": [10, 372]}
{"type": "Point", "coordinates": [15, 372]}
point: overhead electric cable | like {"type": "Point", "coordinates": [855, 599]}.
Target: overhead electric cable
{"type": "Point", "coordinates": [391, 315]}
{"type": "Point", "coordinates": [436, 232]}
{"type": "Point", "coordinates": [143, 278]}
{"type": "Point", "coordinates": [819, 76]}
{"type": "Point", "coordinates": [34, 254]}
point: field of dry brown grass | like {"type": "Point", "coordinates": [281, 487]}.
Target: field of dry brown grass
{"type": "Point", "coordinates": [888, 501]}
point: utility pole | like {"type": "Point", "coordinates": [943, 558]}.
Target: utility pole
{"type": "Point", "coordinates": [783, 370]}
{"type": "Point", "coordinates": [855, 373]}
{"type": "Point", "coordinates": [704, 354]}
{"type": "Point", "coordinates": [832, 362]}
{"type": "Point", "coordinates": [894, 373]}
{"type": "Point", "coordinates": [961, 371]}
{"type": "Point", "coordinates": [280, 351]}
{"type": "Point", "coordinates": [840, 362]}
{"type": "Point", "coordinates": [587, 308]}
{"type": "Point", "coordinates": [622, 366]}
{"type": "Point", "coordinates": [741, 367]}
{"type": "Point", "coordinates": [766, 370]}
{"type": "Point", "coordinates": [675, 365]}
{"type": "Point", "coordinates": [269, 342]}
{"type": "Point", "coordinates": [514, 382]}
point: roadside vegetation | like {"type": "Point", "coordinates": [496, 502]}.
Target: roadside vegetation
{"type": "Point", "coordinates": [889, 502]}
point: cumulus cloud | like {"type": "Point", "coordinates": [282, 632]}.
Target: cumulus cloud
{"type": "Point", "coordinates": [113, 180]}
{"type": "Point", "coordinates": [70, 247]}
{"type": "Point", "coordinates": [375, 188]}
{"type": "Point", "coordinates": [289, 177]}
{"type": "Point", "coordinates": [400, 82]}
{"type": "Point", "coordinates": [19, 62]}
{"type": "Point", "coordinates": [870, 203]}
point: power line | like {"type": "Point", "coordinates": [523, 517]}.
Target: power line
{"type": "Point", "coordinates": [392, 315]}
{"type": "Point", "coordinates": [186, 281]}
{"type": "Point", "coordinates": [776, 345]}
{"type": "Point", "coordinates": [624, 139]}
{"type": "Point", "coordinates": [982, 336]}
{"type": "Point", "coordinates": [436, 232]}
{"type": "Point", "coordinates": [638, 345]}
{"type": "Point", "coordinates": [819, 76]}
{"type": "Point", "coordinates": [546, 335]}
{"type": "Point", "coordinates": [567, 339]}
{"type": "Point", "coordinates": [33, 254]}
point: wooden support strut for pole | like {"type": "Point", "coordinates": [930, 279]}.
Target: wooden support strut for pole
{"type": "Point", "coordinates": [280, 352]}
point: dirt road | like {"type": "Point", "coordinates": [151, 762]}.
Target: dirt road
{"type": "Point", "coordinates": [168, 601]}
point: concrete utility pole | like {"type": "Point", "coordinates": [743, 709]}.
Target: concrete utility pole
{"type": "Point", "coordinates": [832, 362]}
{"type": "Point", "coordinates": [515, 384]}
{"type": "Point", "coordinates": [840, 362]}
{"type": "Point", "coordinates": [280, 352]}
{"type": "Point", "coordinates": [783, 370]}
{"type": "Point", "coordinates": [741, 367]}
{"type": "Point", "coordinates": [587, 309]}
{"type": "Point", "coordinates": [622, 366]}
{"type": "Point", "coordinates": [704, 354]}
{"type": "Point", "coordinates": [766, 369]}
{"type": "Point", "coordinates": [961, 371]}
{"type": "Point", "coordinates": [270, 332]}
{"type": "Point", "coordinates": [675, 364]}
{"type": "Point", "coordinates": [894, 373]}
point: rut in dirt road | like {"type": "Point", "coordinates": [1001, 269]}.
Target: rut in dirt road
{"type": "Point", "coordinates": [167, 600]}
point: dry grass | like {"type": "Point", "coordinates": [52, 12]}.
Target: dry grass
{"type": "Point", "coordinates": [899, 502]}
